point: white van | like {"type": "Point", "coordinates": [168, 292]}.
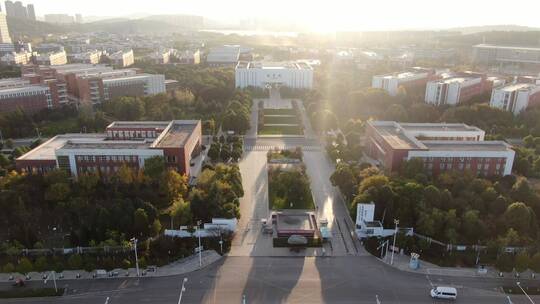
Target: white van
{"type": "Point", "coordinates": [444, 293]}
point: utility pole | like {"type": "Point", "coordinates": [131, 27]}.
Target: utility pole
{"type": "Point", "coordinates": [134, 241]}
{"type": "Point", "coordinates": [525, 293]}
{"type": "Point", "coordinates": [54, 281]}
{"type": "Point", "coordinates": [182, 290]}
{"type": "Point", "coordinates": [200, 248]}
{"type": "Point", "coordinates": [396, 222]}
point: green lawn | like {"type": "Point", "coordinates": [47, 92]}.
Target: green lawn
{"type": "Point", "coordinates": [281, 130]}
{"type": "Point", "coordinates": [279, 112]}
{"type": "Point", "coordinates": [281, 120]}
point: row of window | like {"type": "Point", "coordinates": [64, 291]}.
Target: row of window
{"type": "Point", "coordinates": [464, 159]}
{"type": "Point", "coordinates": [104, 158]}
{"type": "Point", "coordinates": [132, 134]}
{"type": "Point", "coordinates": [101, 169]}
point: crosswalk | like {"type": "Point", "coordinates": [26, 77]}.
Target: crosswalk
{"type": "Point", "coordinates": [285, 147]}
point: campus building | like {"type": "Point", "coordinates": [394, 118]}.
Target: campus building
{"type": "Point", "coordinates": [124, 143]}
{"type": "Point", "coordinates": [412, 79]}
{"type": "Point", "coordinates": [122, 58]}
{"type": "Point", "coordinates": [456, 88]}
{"type": "Point", "coordinates": [18, 93]}
{"type": "Point", "coordinates": [441, 146]}
{"type": "Point", "coordinates": [293, 74]}
{"type": "Point", "coordinates": [54, 58]}
{"type": "Point", "coordinates": [227, 55]}
{"type": "Point", "coordinates": [509, 59]}
{"type": "Point", "coordinates": [515, 97]}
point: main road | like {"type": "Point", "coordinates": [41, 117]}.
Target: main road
{"type": "Point", "coordinates": [348, 279]}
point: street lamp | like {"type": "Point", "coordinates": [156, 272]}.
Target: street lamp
{"type": "Point", "coordinates": [519, 285]}
{"type": "Point", "coordinates": [200, 248]}
{"type": "Point", "coordinates": [396, 222]}
{"type": "Point", "coordinates": [182, 290]}
{"type": "Point", "coordinates": [134, 241]}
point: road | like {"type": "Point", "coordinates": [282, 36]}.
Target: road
{"type": "Point", "coordinates": [348, 279]}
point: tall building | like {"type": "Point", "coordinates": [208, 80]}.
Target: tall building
{"type": "Point", "coordinates": [124, 143]}
{"type": "Point", "coordinates": [227, 55]}
{"type": "Point", "coordinates": [78, 18]}
{"type": "Point", "coordinates": [4, 31]}
{"type": "Point", "coordinates": [457, 88]}
{"type": "Point", "coordinates": [515, 97]}
{"type": "Point", "coordinates": [261, 74]}
{"type": "Point", "coordinates": [415, 78]}
{"type": "Point", "coordinates": [31, 12]}
{"type": "Point", "coordinates": [54, 58]}
{"type": "Point", "coordinates": [441, 146]}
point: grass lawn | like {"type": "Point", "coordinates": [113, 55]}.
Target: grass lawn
{"type": "Point", "coordinates": [279, 112]}
{"type": "Point", "coordinates": [292, 120]}
{"type": "Point", "coordinates": [281, 130]}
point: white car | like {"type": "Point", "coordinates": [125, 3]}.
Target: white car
{"type": "Point", "coordinates": [440, 292]}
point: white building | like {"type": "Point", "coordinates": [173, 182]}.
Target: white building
{"type": "Point", "coordinates": [515, 97]}
{"type": "Point", "coordinates": [57, 58]}
{"type": "Point", "coordinates": [223, 55]}
{"type": "Point", "coordinates": [415, 77]}
{"type": "Point", "coordinates": [134, 85]}
{"type": "Point", "coordinates": [160, 57]}
{"type": "Point", "coordinates": [122, 58]}
{"type": "Point", "coordinates": [298, 75]}
{"type": "Point", "coordinates": [16, 58]}
{"type": "Point", "coordinates": [456, 89]}
{"type": "Point", "coordinates": [90, 57]}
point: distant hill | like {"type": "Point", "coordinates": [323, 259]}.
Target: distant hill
{"type": "Point", "coordinates": [21, 29]}
{"type": "Point", "coordinates": [491, 28]}
{"type": "Point", "coordinates": [28, 29]}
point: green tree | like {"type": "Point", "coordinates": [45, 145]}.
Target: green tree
{"type": "Point", "coordinates": [214, 151]}
{"type": "Point", "coordinates": [535, 262]}
{"type": "Point", "coordinates": [57, 192]}
{"type": "Point", "coordinates": [24, 266]}
{"type": "Point", "coordinates": [504, 262]}
{"type": "Point", "coordinates": [519, 217]}
{"type": "Point", "coordinates": [154, 167]}
{"type": "Point", "coordinates": [75, 262]}
{"type": "Point", "coordinates": [522, 261]}
{"type": "Point", "coordinates": [140, 221]}
{"type": "Point", "coordinates": [156, 227]}
{"type": "Point", "coordinates": [41, 264]}
{"type": "Point", "coordinates": [8, 268]}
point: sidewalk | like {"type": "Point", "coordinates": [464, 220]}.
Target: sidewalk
{"type": "Point", "coordinates": [182, 266]}
{"type": "Point", "coordinates": [401, 262]}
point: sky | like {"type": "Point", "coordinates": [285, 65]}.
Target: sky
{"type": "Point", "coordinates": [321, 15]}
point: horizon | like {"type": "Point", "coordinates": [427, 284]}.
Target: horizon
{"type": "Point", "coordinates": [340, 15]}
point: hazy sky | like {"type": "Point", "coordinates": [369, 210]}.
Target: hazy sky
{"type": "Point", "coordinates": [321, 15]}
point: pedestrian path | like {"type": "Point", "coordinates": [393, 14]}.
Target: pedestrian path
{"type": "Point", "coordinates": [181, 266]}
{"type": "Point", "coordinates": [280, 147]}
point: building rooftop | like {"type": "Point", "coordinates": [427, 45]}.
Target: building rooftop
{"type": "Point", "coordinates": [176, 134]}
{"type": "Point", "coordinates": [518, 86]}
{"type": "Point", "coordinates": [268, 65]}
{"type": "Point", "coordinates": [522, 48]}
{"type": "Point", "coordinates": [108, 144]}
{"type": "Point", "coordinates": [405, 136]}
{"type": "Point", "coordinates": [25, 89]}
{"type": "Point", "coordinates": [446, 145]}
{"type": "Point", "coordinates": [46, 151]}
{"type": "Point", "coordinates": [139, 124]}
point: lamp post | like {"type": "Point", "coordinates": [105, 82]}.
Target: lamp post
{"type": "Point", "coordinates": [396, 222]}
{"type": "Point", "coordinates": [525, 293]}
{"type": "Point", "coordinates": [200, 249]}
{"type": "Point", "coordinates": [182, 290]}
{"type": "Point", "coordinates": [134, 241]}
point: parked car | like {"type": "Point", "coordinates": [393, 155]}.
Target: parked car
{"type": "Point", "coordinates": [441, 292]}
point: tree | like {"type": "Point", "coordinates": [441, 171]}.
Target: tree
{"type": "Point", "coordinates": [505, 262]}
{"type": "Point", "coordinates": [41, 264]}
{"type": "Point", "coordinates": [156, 227]}
{"type": "Point", "coordinates": [8, 268]}
{"type": "Point", "coordinates": [25, 266]}
{"type": "Point", "coordinates": [522, 261]}
{"type": "Point", "coordinates": [535, 262]}
{"type": "Point", "coordinates": [140, 222]}
{"type": "Point", "coordinates": [173, 185]}
{"type": "Point", "coordinates": [154, 167]}
{"type": "Point", "coordinates": [345, 179]}
{"type": "Point", "coordinates": [57, 192]}
{"type": "Point", "coordinates": [375, 181]}
{"type": "Point", "coordinates": [214, 151]}
{"type": "Point", "coordinates": [519, 217]}
{"type": "Point", "coordinates": [75, 262]}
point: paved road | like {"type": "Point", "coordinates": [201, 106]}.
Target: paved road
{"type": "Point", "coordinates": [351, 279]}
